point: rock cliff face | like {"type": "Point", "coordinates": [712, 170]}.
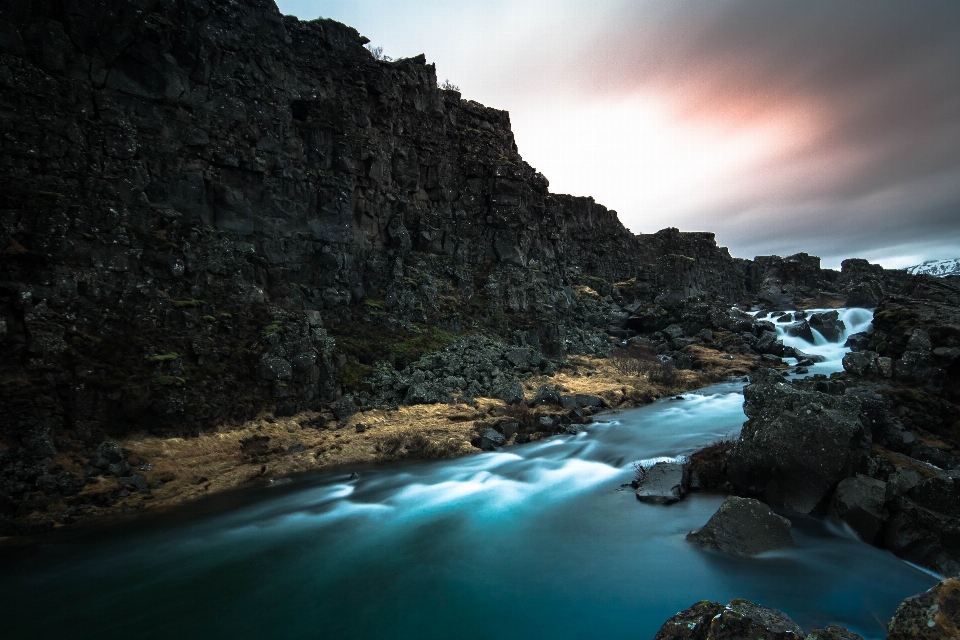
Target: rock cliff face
{"type": "Point", "coordinates": [209, 209]}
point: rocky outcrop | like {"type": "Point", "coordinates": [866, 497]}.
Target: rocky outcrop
{"type": "Point", "coordinates": [738, 620]}
{"type": "Point", "coordinates": [933, 615]}
{"type": "Point", "coordinates": [797, 445]}
{"type": "Point", "coordinates": [743, 526]}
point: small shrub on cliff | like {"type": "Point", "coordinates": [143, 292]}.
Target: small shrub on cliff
{"type": "Point", "coordinates": [377, 53]}
{"type": "Point", "coordinates": [449, 86]}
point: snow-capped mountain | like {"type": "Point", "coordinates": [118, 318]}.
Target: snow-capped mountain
{"type": "Point", "coordinates": [937, 268]}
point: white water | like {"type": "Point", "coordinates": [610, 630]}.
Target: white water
{"type": "Point", "coordinates": [855, 320]}
{"type": "Point", "coordinates": [534, 541]}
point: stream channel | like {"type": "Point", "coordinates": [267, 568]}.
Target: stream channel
{"type": "Point", "coordinates": [536, 541]}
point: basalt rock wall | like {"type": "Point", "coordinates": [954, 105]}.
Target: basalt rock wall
{"type": "Point", "coordinates": [199, 195]}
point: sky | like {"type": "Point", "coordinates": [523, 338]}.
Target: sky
{"type": "Point", "coordinates": [827, 127]}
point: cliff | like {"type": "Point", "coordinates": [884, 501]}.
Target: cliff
{"type": "Point", "coordinates": [210, 209]}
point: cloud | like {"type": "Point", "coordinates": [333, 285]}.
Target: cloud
{"type": "Point", "coordinates": [822, 126]}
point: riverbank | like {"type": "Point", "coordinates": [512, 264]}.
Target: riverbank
{"type": "Point", "coordinates": [177, 471]}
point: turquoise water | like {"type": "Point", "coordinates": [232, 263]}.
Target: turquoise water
{"type": "Point", "coordinates": [536, 541]}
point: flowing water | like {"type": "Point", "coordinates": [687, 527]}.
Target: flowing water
{"type": "Point", "coordinates": [536, 541]}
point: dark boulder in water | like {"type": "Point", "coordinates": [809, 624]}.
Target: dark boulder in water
{"type": "Point", "coordinates": [800, 329]}
{"type": "Point", "coordinates": [858, 501]}
{"type": "Point", "coordinates": [743, 526]}
{"type": "Point", "coordinates": [833, 632]}
{"type": "Point", "coordinates": [932, 615]}
{"type": "Point", "coordinates": [828, 324]}
{"type": "Point", "coordinates": [664, 483]}
{"type": "Point", "coordinates": [738, 620]}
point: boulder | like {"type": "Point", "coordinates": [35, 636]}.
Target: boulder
{"type": "Point", "coordinates": [932, 615]}
{"type": "Point", "coordinates": [884, 367]}
{"type": "Point", "coordinates": [492, 439]}
{"type": "Point", "coordinates": [692, 623]}
{"type": "Point", "coordinates": [833, 632]}
{"type": "Point", "coordinates": [743, 526]}
{"type": "Point", "coordinates": [800, 329]}
{"type": "Point", "coordinates": [672, 332]}
{"type": "Point", "coordinates": [593, 402]}
{"type": "Point", "coordinates": [546, 394]}
{"type": "Point", "coordinates": [810, 358]}
{"type": "Point", "coordinates": [664, 483]}
{"type": "Point", "coordinates": [136, 481]}
{"type": "Point", "coordinates": [797, 444]}
{"type": "Point", "coordinates": [940, 494]}
{"type": "Point", "coordinates": [858, 501]}
{"type": "Point", "coordinates": [859, 363]}
{"type": "Point", "coordinates": [509, 391]}
{"type": "Point", "coordinates": [766, 343]}
{"type": "Point", "coordinates": [738, 620]}
{"type": "Point", "coordinates": [828, 324]}
{"type": "Point", "coordinates": [858, 341]}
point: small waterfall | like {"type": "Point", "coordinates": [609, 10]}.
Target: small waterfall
{"type": "Point", "coordinates": [854, 320]}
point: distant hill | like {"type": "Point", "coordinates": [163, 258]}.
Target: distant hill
{"type": "Point", "coordinates": [939, 268]}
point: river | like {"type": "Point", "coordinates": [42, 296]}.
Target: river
{"type": "Point", "coordinates": [536, 541]}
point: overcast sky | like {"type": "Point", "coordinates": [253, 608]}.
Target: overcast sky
{"type": "Point", "coordinates": [819, 126]}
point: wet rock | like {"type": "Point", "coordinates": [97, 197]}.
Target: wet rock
{"type": "Point", "coordinates": [858, 501]}
{"type": "Point", "coordinates": [692, 623]}
{"type": "Point", "coordinates": [797, 444]}
{"type": "Point", "coordinates": [738, 620]}
{"type": "Point", "coordinates": [828, 324]}
{"type": "Point", "coordinates": [800, 329]}
{"type": "Point", "coordinates": [492, 440]}
{"type": "Point", "coordinates": [743, 526]}
{"type": "Point", "coordinates": [807, 359]}
{"type": "Point", "coordinates": [664, 483]}
{"type": "Point", "coordinates": [932, 615]}
{"type": "Point", "coordinates": [833, 632]}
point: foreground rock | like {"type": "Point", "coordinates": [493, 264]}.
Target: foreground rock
{"type": "Point", "coordinates": [833, 632]}
{"type": "Point", "coordinates": [858, 501]}
{"type": "Point", "coordinates": [738, 620]}
{"type": "Point", "coordinates": [932, 615]}
{"type": "Point", "coordinates": [743, 526]}
{"type": "Point", "coordinates": [797, 444]}
{"type": "Point", "coordinates": [664, 483]}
